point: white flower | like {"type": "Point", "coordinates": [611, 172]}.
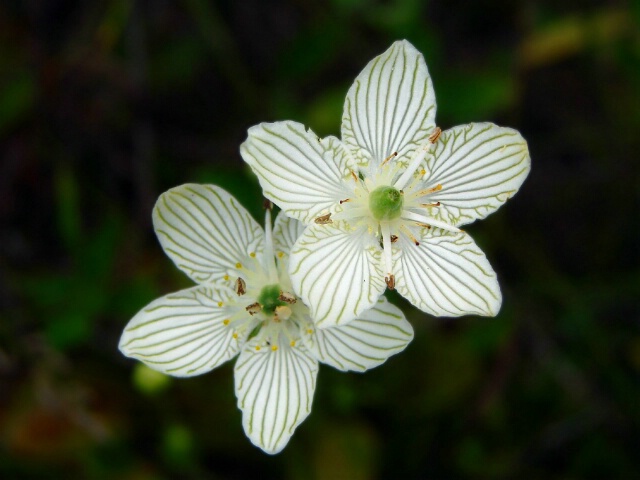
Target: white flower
{"type": "Point", "coordinates": [383, 205]}
{"type": "Point", "coordinates": [244, 304]}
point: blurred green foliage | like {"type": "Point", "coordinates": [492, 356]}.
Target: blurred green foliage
{"type": "Point", "coordinates": [104, 105]}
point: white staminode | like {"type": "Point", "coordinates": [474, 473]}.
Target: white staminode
{"type": "Point", "coordinates": [384, 204]}
{"type": "Point", "coordinates": [245, 304]}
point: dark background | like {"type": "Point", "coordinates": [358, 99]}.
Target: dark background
{"type": "Point", "coordinates": [104, 105]}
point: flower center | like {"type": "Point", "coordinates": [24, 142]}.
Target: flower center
{"type": "Point", "coordinates": [385, 203]}
{"type": "Point", "coordinates": [269, 298]}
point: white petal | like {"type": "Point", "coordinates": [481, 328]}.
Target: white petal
{"type": "Point", "coordinates": [337, 272]}
{"type": "Point", "coordinates": [391, 106]}
{"type": "Point", "coordinates": [480, 166]}
{"type": "Point", "coordinates": [447, 275]}
{"type": "Point", "coordinates": [286, 231]}
{"type": "Point", "coordinates": [302, 174]}
{"type": "Point", "coordinates": [184, 333]}
{"type": "Point", "coordinates": [205, 231]}
{"type": "Point", "coordinates": [275, 391]}
{"type": "Point", "coordinates": [364, 343]}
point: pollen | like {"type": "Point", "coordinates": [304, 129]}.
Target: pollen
{"type": "Point", "coordinates": [238, 265]}
{"type": "Point", "coordinates": [252, 254]}
{"type": "Point", "coordinates": [274, 348]}
{"type": "Point", "coordinates": [226, 321]}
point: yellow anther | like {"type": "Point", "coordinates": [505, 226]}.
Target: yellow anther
{"type": "Point", "coordinates": [423, 172]}
{"type": "Point", "coordinates": [293, 344]}
{"type": "Point", "coordinates": [238, 265]}
{"type": "Point", "coordinates": [280, 254]}
{"type": "Point", "coordinates": [220, 304]}
{"type": "Point", "coordinates": [226, 321]}
{"type": "Point", "coordinates": [257, 347]}
{"type": "Point", "coordinates": [252, 254]}
{"type": "Point", "coordinates": [309, 331]}
{"type": "Point", "coordinates": [274, 348]}
{"type": "Point", "coordinates": [235, 335]}
{"type": "Point", "coordinates": [226, 278]}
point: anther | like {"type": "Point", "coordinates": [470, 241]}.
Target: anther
{"type": "Point", "coordinates": [287, 297]}
{"type": "Point", "coordinates": [267, 205]}
{"type": "Point", "coordinates": [394, 154]}
{"type": "Point", "coordinates": [354, 176]}
{"type": "Point", "coordinates": [345, 201]}
{"type": "Point", "coordinates": [241, 286]}
{"type": "Point", "coordinates": [282, 312]}
{"type": "Point", "coordinates": [254, 308]}
{"type": "Point", "coordinates": [394, 238]}
{"type": "Point", "coordinates": [274, 348]}
{"type": "Point", "coordinates": [433, 138]}
{"type": "Point", "coordinates": [220, 304]}
{"type": "Point", "coordinates": [390, 281]}
{"type": "Point", "coordinates": [324, 219]}
{"type": "Point", "coordinates": [238, 265]}
{"type": "Point", "coordinates": [437, 204]}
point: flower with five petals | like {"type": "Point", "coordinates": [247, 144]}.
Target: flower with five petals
{"type": "Point", "coordinates": [384, 204]}
{"type": "Point", "coordinates": [244, 304]}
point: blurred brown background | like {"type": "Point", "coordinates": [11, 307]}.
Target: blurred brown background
{"type": "Point", "coordinates": [104, 105]}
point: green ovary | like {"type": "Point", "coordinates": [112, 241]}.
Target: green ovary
{"type": "Point", "coordinates": [268, 298]}
{"type": "Point", "coordinates": [385, 203]}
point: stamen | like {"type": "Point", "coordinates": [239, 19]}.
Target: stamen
{"type": "Point", "coordinates": [408, 233]}
{"type": "Point", "coordinates": [287, 297]}
{"type": "Point", "coordinates": [220, 304]}
{"type": "Point", "coordinates": [238, 265]}
{"type": "Point", "coordinates": [267, 204]}
{"type": "Point", "coordinates": [386, 247]}
{"type": "Point", "coordinates": [422, 193]}
{"type": "Point", "coordinates": [354, 176]}
{"type": "Point", "coordinates": [226, 278]}
{"type": "Point", "coordinates": [254, 308]}
{"type": "Point", "coordinates": [425, 221]}
{"type": "Point", "coordinates": [408, 173]}
{"type": "Point", "coordinates": [274, 348]}
{"type": "Point", "coordinates": [345, 201]}
{"type": "Point", "coordinates": [241, 286]}
{"type": "Point", "coordinates": [394, 154]}
{"type": "Point", "coordinates": [226, 321]}
{"type": "Point", "coordinates": [394, 238]}
{"type": "Point", "coordinates": [324, 219]}
{"type": "Point", "coordinates": [390, 281]}
{"type": "Point", "coordinates": [293, 343]}
{"type": "Point", "coordinates": [437, 204]}
{"type": "Point", "coordinates": [433, 138]}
